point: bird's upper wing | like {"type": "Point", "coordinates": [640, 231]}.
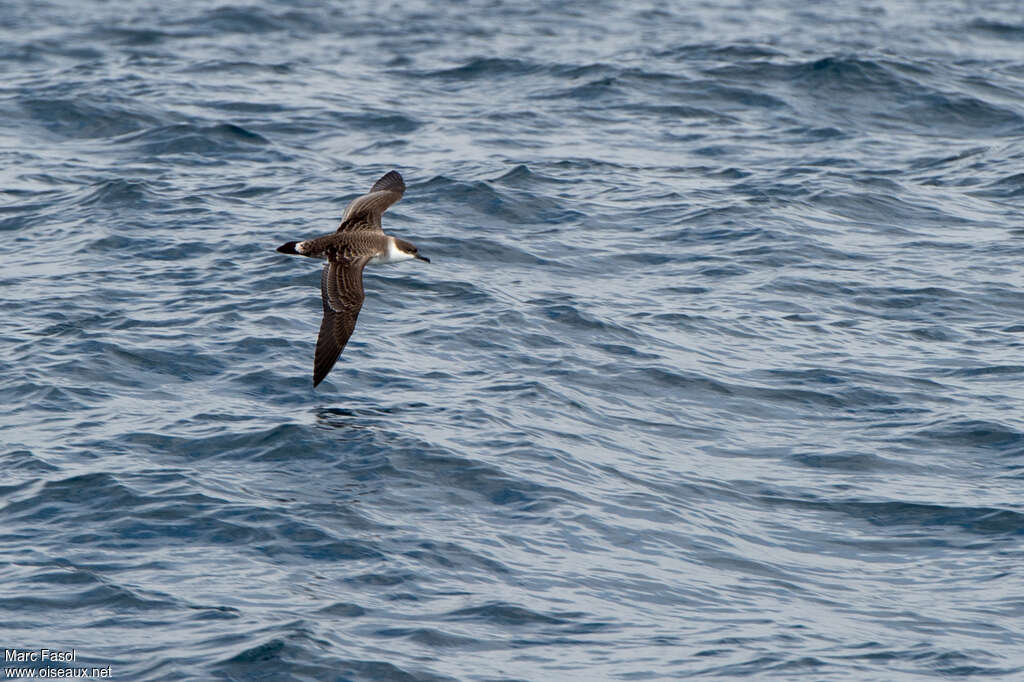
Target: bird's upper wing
{"type": "Point", "coordinates": [364, 212]}
{"type": "Point", "coordinates": [341, 286]}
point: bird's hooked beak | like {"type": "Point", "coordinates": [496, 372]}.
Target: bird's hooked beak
{"type": "Point", "coordinates": [419, 257]}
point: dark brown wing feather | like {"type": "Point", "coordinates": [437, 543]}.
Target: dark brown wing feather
{"type": "Point", "coordinates": [327, 348]}
{"type": "Point", "coordinates": [390, 181]}
{"type": "Point", "coordinates": [341, 286]}
{"type": "Point", "coordinates": [364, 212]}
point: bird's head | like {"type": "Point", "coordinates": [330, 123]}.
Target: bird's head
{"type": "Point", "coordinates": [407, 248]}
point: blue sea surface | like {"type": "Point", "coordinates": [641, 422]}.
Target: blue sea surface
{"type": "Point", "coordinates": [717, 371]}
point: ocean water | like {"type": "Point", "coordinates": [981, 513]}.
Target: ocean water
{"type": "Point", "coordinates": [716, 372]}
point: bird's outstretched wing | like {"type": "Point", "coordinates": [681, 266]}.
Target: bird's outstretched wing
{"type": "Point", "coordinates": [364, 212]}
{"type": "Point", "coordinates": [341, 286]}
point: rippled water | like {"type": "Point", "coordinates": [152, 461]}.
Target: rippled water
{"type": "Point", "coordinates": [716, 371]}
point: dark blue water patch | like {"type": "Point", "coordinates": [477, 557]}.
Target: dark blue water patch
{"type": "Point", "coordinates": [721, 53]}
{"type": "Point", "coordinates": [138, 36]}
{"type": "Point", "coordinates": [662, 382]}
{"type": "Point", "coordinates": [433, 638]}
{"type": "Point", "coordinates": [42, 52]}
{"type": "Point", "coordinates": [290, 657]}
{"type": "Point", "coordinates": [946, 114]}
{"type": "Point", "coordinates": [973, 434]}
{"type": "Point", "coordinates": [276, 443]}
{"type": "Point", "coordinates": [25, 200]}
{"type": "Point", "coordinates": [998, 29]}
{"type": "Point", "coordinates": [734, 99]}
{"type": "Point", "coordinates": [896, 516]}
{"type": "Point", "coordinates": [217, 141]}
{"type": "Point", "coordinates": [722, 222]}
{"type": "Point", "coordinates": [999, 297]}
{"type": "Point", "coordinates": [569, 318]}
{"type": "Point", "coordinates": [935, 333]}
{"type": "Point", "coordinates": [781, 255]}
{"type": "Point", "coordinates": [573, 81]}
{"type": "Point", "coordinates": [120, 193]}
{"type": "Point", "coordinates": [87, 491]}
{"type": "Point", "coordinates": [123, 364]}
{"type": "Point", "coordinates": [448, 555]}
{"type": "Point", "coordinates": [851, 73]}
{"type": "Point", "coordinates": [503, 613]}
{"type": "Point", "coordinates": [814, 135]}
{"type": "Point", "coordinates": [314, 544]}
{"type": "Point", "coordinates": [523, 177]}
{"type": "Point", "coordinates": [669, 113]}
{"type": "Point", "coordinates": [640, 90]}
{"type": "Point", "coordinates": [383, 121]}
{"type": "Point", "coordinates": [272, 658]}
{"type": "Point", "coordinates": [85, 117]}
{"type": "Point", "coordinates": [343, 610]}
{"type": "Point", "coordinates": [812, 286]}
{"type": "Point", "coordinates": [27, 462]}
{"type": "Point", "coordinates": [919, 388]}
{"type": "Point", "coordinates": [490, 204]}
{"type": "Point", "coordinates": [777, 664]}
{"type": "Point", "coordinates": [850, 90]}
{"type": "Point", "coordinates": [90, 597]}
{"type": "Point", "coordinates": [927, 304]}
{"type": "Point", "coordinates": [604, 90]}
{"type": "Point", "coordinates": [885, 211]}
{"type": "Point", "coordinates": [993, 372]}
{"type": "Point", "coordinates": [487, 69]}
{"type": "Point", "coordinates": [482, 481]}
{"type": "Point", "coordinates": [148, 519]}
{"type": "Point", "coordinates": [255, 20]}
{"type": "Point", "coordinates": [860, 462]}
{"type": "Point", "coordinates": [899, 519]}
{"type": "Point", "coordinates": [38, 392]}
{"type": "Point", "coordinates": [1009, 187]}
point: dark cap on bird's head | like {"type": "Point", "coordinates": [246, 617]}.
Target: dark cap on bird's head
{"type": "Point", "coordinates": [410, 249]}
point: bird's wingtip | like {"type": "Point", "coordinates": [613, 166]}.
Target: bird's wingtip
{"type": "Point", "coordinates": [392, 181]}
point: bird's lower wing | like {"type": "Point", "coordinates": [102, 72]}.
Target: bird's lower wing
{"type": "Point", "coordinates": [341, 288]}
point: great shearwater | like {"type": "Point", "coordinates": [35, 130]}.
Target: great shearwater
{"type": "Point", "coordinates": [359, 241]}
